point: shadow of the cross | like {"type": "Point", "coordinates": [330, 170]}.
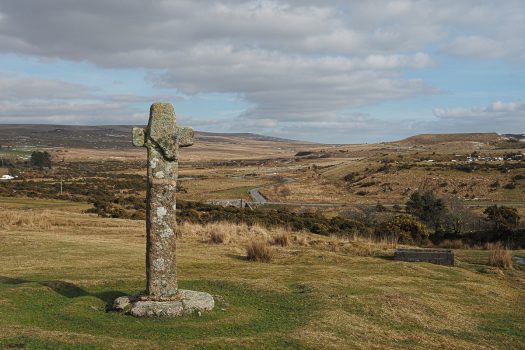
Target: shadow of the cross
{"type": "Point", "coordinates": [67, 289]}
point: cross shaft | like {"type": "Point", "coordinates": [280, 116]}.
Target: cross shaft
{"type": "Point", "coordinates": [162, 138]}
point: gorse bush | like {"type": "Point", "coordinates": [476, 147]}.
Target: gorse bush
{"type": "Point", "coordinates": [403, 229]}
{"type": "Point", "coordinates": [503, 218]}
{"type": "Point", "coordinates": [303, 221]}
{"type": "Point", "coordinates": [428, 208]}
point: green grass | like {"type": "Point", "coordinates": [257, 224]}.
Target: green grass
{"type": "Point", "coordinates": [233, 193]}
{"type": "Point", "coordinates": [55, 285]}
{"type": "Point", "coordinates": [32, 203]}
{"type": "Point", "coordinates": [55, 305]}
{"type": "Point", "coordinates": [11, 153]}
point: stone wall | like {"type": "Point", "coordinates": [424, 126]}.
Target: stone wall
{"type": "Point", "coordinates": [434, 256]}
{"type": "Point", "coordinates": [238, 203]}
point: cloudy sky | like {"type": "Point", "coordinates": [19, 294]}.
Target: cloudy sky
{"type": "Point", "coordinates": [330, 71]}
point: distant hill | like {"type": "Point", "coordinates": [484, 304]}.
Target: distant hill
{"type": "Point", "coordinates": [518, 137]}
{"type": "Point", "coordinates": [110, 136]}
{"type": "Point", "coordinates": [429, 139]}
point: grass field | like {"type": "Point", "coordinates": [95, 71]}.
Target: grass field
{"type": "Point", "coordinates": [30, 203]}
{"type": "Point", "coordinates": [14, 152]}
{"type": "Point", "coordinates": [222, 166]}
{"type": "Point", "coordinates": [220, 188]}
{"type": "Point", "coordinates": [61, 269]}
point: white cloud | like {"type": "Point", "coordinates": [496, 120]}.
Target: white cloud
{"type": "Point", "coordinates": [477, 46]}
{"type": "Point", "coordinates": [12, 87]}
{"type": "Point", "coordinates": [292, 61]}
{"type": "Point", "coordinates": [502, 117]}
{"type": "Point", "coordinates": [496, 112]}
{"type": "Point", "coordinates": [33, 100]}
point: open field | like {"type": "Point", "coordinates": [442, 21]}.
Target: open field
{"type": "Point", "coordinates": [220, 166]}
{"type": "Point", "coordinates": [61, 267]}
{"type": "Point", "coordinates": [60, 270]}
{"type": "Point", "coordinates": [28, 203]}
{"type": "Point", "coordinates": [23, 153]}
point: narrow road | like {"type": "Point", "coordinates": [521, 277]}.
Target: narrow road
{"type": "Point", "coordinates": [257, 196]}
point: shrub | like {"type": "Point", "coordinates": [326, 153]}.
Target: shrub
{"type": "Point", "coordinates": [311, 221]}
{"type": "Point", "coordinates": [503, 218]}
{"type": "Point", "coordinates": [380, 208]}
{"type": "Point", "coordinates": [500, 256]}
{"type": "Point", "coordinates": [403, 229]}
{"type": "Point", "coordinates": [303, 153]}
{"type": "Point", "coordinates": [41, 159]}
{"type": "Point", "coordinates": [495, 184]}
{"type": "Point", "coordinates": [468, 168]}
{"type": "Point", "coordinates": [280, 239]}
{"type": "Point", "coordinates": [426, 206]}
{"type": "Point", "coordinates": [258, 250]}
{"type": "Point", "coordinates": [350, 177]}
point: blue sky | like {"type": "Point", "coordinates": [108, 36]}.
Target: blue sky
{"type": "Point", "coordinates": [331, 71]}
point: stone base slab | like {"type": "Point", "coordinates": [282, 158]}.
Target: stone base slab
{"type": "Point", "coordinates": [185, 302]}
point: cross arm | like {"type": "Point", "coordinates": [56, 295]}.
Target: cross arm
{"type": "Point", "coordinates": [185, 136]}
{"type": "Point", "coordinates": [139, 137]}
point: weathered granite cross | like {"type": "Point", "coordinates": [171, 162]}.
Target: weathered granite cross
{"type": "Point", "coordinates": [162, 138]}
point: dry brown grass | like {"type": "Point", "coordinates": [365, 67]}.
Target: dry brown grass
{"type": "Point", "coordinates": [47, 219]}
{"type": "Point", "coordinates": [364, 246]}
{"type": "Point", "coordinates": [25, 218]}
{"type": "Point", "coordinates": [233, 232]}
{"type": "Point", "coordinates": [217, 233]}
{"type": "Point", "coordinates": [452, 244]}
{"type": "Point", "coordinates": [259, 250]}
{"type": "Point", "coordinates": [500, 256]}
{"type": "Point", "coordinates": [219, 237]}
{"type": "Point", "coordinates": [300, 240]}
{"type": "Point", "coordinates": [281, 239]}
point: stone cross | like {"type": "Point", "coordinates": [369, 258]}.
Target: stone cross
{"type": "Point", "coordinates": [162, 138]}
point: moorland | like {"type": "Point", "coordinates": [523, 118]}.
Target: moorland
{"type": "Point", "coordinates": [72, 239]}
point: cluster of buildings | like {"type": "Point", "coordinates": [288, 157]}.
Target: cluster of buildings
{"type": "Point", "coordinates": [506, 157]}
